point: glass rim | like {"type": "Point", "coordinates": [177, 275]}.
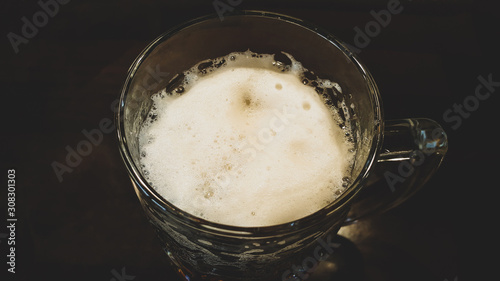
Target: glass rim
{"type": "Point", "coordinates": [253, 231]}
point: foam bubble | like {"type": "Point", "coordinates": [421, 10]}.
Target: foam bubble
{"type": "Point", "coordinates": [246, 143]}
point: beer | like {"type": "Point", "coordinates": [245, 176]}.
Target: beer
{"type": "Point", "coordinates": [247, 140]}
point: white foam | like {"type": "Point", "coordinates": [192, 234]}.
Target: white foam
{"type": "Point", "coordinates": [245, 145]}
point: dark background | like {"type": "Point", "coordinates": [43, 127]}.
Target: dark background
{"type": "Point", "coordinates": [90, 225]}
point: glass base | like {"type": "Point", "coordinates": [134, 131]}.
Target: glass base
{"type": "Point", "coordinates": [345, 263]}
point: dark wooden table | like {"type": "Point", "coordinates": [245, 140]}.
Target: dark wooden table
{"type": "Point", "coordinates": [63, 66]}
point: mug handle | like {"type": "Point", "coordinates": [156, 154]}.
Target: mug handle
{"type": "Point", "coordinates": [412, 151]}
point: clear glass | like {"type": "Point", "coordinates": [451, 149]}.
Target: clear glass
{"type": "Point", "coordinates": [203, 250]}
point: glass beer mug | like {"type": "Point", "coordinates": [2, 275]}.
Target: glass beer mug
{"type": "Point", "coordinates": [402, 153]}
